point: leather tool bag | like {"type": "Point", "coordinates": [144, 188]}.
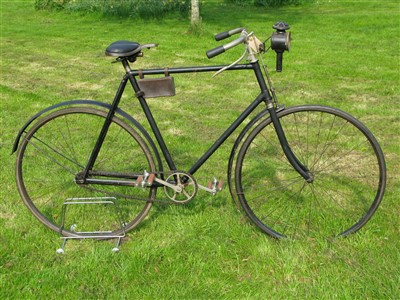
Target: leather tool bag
{"type": "Point", "coordinates": [157, 87]}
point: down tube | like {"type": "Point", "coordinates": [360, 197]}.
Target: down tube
{"type": "Point", "coordinates": [227, 133]}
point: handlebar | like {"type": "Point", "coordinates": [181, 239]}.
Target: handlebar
{"type": "Point", "coordinates": [216, 51]}
{"type": "Point", "coordinates": [280, 42]}
{"type": "Point", "coordinates": [223, 35]}
{"type": "Point", "coordinates": [221, 49]}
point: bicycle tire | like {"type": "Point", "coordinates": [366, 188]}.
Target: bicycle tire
{"type": "Point", "coordinates": [345, 158]}
{"type": "Point", "coordinates": [57, 148]}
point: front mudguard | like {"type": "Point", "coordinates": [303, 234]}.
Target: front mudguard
{"type": "Point", "coordinates": [262, 115]}
{"type": "Point", "coordinates": [105, 106]}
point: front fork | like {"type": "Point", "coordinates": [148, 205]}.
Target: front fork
{"type": "Point", "coordinates": [293, 160]}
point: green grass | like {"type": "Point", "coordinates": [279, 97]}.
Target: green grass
{"type": "Point", "coordinates": [344, 54]}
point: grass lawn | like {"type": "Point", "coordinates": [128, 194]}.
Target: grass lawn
{"type": "Point", "coordinates": [344, 54]}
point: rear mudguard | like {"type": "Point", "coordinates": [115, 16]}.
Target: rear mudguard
{"type": "Point", "coordinates": [105, 106]}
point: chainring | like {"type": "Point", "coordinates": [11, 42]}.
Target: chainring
{"type": "Point", "coordinates": [185, 187]}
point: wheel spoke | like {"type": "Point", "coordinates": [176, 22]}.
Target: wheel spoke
{"type": "Point", "coordinates": [57, 147]}
{"type": "Point", "coordinates": [345, 159]}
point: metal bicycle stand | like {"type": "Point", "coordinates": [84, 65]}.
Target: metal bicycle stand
{"type": "Point", "coordinates": [90, 234]}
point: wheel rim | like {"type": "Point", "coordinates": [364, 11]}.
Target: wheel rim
{"type": "Point", "coordinates": [348, 166]}
{"type": "Point", "coordinates": [57, 148]}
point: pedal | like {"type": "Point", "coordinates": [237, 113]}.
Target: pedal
{"type": "Point", "coordinates": [216, 185]}
{"type": "Point", "coordinates": [213, 187]}
{"type": "Point", "coordinates": [210, 185]}
{"type": "Point", "coordinates": [150, 180]}
{"type": "Point", "coordinates": [139, 181]}
{"type": "Point", "coordinates": [220, 185]}
{"type": "Point", "coordinates": [145, 180]}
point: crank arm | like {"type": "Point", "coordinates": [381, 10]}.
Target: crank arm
{"type": "Point", "coordinates": [177, 189]}
{"type": "Point", "coordinates": [208, 190]}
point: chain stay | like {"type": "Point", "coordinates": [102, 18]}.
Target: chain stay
{"type": "Point", "coordinates": [148, 180]}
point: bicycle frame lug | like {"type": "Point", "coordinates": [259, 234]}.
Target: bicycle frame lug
{"type": "Point", "coordinates": [79, 181]}
{"type": "Point", "coordinates": [79, 178]}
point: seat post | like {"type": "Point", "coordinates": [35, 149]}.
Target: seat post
{"type": "Point", "coordinates": [126, 65]}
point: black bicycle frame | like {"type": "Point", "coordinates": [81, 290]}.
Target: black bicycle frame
{"type": "Point", "coordinates": [264, 96]}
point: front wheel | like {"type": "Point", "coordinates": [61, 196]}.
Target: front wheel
{"type": "Point", "coordinates": [344, 158]}
{"type": "Point", "coordinates": [56, 150]}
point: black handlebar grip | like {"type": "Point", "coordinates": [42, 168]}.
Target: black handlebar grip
{"type": "Point", "coordinates": [279, 58]}
{"type": "Point", "coordinates": [216, 51]}
{"type": "Point", "coordinates": [222, 35]}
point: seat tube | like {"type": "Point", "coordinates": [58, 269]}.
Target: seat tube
{"type": "Point", "coordinates": [152, 122]}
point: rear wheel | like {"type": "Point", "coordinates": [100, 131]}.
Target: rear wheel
{"type": "Point", "coordinates": [57, 148]}
{"type": "Point", "coordinates": [344, 157]}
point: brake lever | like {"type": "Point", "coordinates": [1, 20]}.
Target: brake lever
{"type": "Point", "coordinates": [231, 65]}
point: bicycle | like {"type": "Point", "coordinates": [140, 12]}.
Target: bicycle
{"type": "Point", "coordinates": [302, 171]}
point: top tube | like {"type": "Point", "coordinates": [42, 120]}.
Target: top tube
{"type": "Point", "coordinates": [196, 69]}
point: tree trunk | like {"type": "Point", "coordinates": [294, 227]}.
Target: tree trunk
{"type": "Point", "coordinates": [195, 16]}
